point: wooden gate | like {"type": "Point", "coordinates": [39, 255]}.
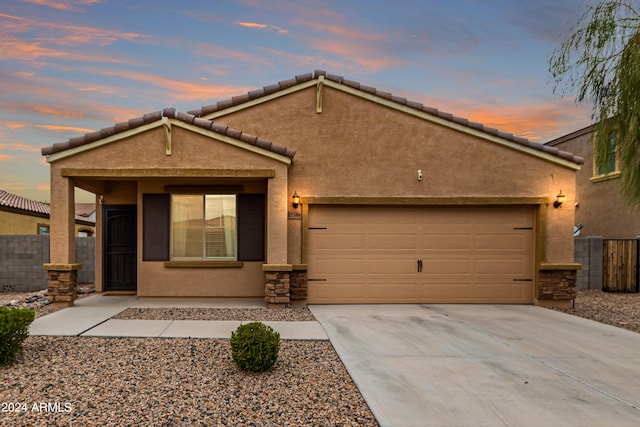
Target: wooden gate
{"type": "Point", "coordinates": [620, 265]}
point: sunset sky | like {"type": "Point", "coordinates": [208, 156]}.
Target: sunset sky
{"type": "Point", "coordinates": [69, 67]}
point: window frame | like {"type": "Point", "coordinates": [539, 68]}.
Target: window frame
{"type": "Point", "coordinates": [251, 229]}
{"type": "Point", "coordinates": [607, 173]}
{"type": "Point", "coordinates": [204, 257]}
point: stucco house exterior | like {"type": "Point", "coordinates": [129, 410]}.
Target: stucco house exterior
{"type": "Point", "coordinates": [609, 229]}
{"type": "Point", "coordinates": [22, 216]}
{"type": "Point", "coordinates": [600, 208]}
{"type": "Point", "coordinates": [320, 190]}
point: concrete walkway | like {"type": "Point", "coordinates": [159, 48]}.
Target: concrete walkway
{"type": "Point", "coordinates": [486, 365]}
{"type": "Point", "coordinates": [92, 316]}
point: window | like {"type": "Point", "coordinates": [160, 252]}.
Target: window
{"type": "Point", "coordinates": [608, 166]}
{"type": "Point", "coordinates": [188, 227]}
{"type": "Point", "coordinates": [43, 229]}
{"type": "Point", "coordinates": [203, 227]}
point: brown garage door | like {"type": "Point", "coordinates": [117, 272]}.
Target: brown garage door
{"type": "Point", "coordinates": [420, 255]}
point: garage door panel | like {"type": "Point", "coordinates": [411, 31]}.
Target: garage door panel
{"type": "Point", "coordinates": [446, 292]}
{"type": "Point", "coordinates": [392, 292]}
{"type": "Point", "coordinates": [511, 267]}
{"type": "Point", "coordinates": [468, 254]}
{"type": "Point", "coordinates": [506, 292]}
{"type": "Point", "coordinates": [334, 242]}
{"type": "Point", "coordinates": [446, 215]}
{"type": "Point", "coordinates": [508, 242]}
{"type": "Point", "coordinates": [339, 293]}
{"type": "Point", "coordinates": [333, 266]}
{"type": "Point", "coordinates": [392, 266]}
{"type": "Point", "coordinates": [391, 241]}
{"type": "Point", "coordinates": [446, 241]}
{"type": "Point", "coordinates": [517, 216]}
{"type": "Point", "coordinates": [392, 217]}
{"type": "Point", "coordinates": [449, 266]}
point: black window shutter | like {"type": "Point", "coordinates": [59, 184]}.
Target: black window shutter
{"type": "Point", "coordinates": [156, 226]}
{"type": "Point", "coordinates": [251, 227]}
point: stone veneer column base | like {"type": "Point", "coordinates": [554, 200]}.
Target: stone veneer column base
{"type": "Point", "coordinates": [557, 284]}
{"type": "Point", "coordinates": [63, 283]}
{"type": "Point", "coordinates": [298, 283]}
{"type": "Point", "coordinates": [277, 284]}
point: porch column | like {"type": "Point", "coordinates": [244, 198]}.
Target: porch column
{"type": "Point", "coordinates": [62, 271]}
{"type": "Point", "coordinates": [277, 270]}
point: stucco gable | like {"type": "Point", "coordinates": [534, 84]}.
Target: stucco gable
{"type": "Point", "coordinates": [165, 118]}
{"type": "Point", "coordinates": [320, 78]}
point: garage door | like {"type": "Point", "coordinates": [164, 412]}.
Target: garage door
{"type": "Point", "coordinates": [420, 255]}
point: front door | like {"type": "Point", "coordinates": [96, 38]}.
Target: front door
{"type": "Point", "coordinates": [119, 248]}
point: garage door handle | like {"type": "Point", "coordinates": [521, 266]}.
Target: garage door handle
{"type": "Point", "coordinates": [419, 266]}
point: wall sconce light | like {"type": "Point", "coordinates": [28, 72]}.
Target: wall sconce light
{"type": "Point", "coordinates": [101, 199]}
{"type": "Point", "coordinates": [296, 200]}
{"type": "Point", "coordinates": [560, 198]}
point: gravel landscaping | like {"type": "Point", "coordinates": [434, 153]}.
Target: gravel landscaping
{"type": "Point", "coordinates": [292, 314]}
{"type": "Point", "coordinates": [179, 381]}
{"type": "Point", "coordinates": [616, 309]}
{"type": "Point", "coordinates": [176, 381]}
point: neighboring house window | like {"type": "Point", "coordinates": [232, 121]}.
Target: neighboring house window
{"type": "Point", "coordinates": [203, 227]}
{"type": "Point", "coordinates": [43, 229]}
{"type": "Point", "coordinates": [84, 232]}
{"type": "Point", "coordinates": [610, 162]}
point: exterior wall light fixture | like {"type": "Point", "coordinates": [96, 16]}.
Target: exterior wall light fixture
{"type": "Point", "coordinates": [296, 200]}
{"type": "Point", "coordinates": [560, 199]}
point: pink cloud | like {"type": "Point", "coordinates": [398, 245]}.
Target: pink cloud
{"type": "Point", "coordinates": [258, 26]}
{"type": "Point", "coordinates": [4, 158]}
{"type": "Point", "coordinates": [44, 187]}
{"type": "Point", "coordinates": [180, 90]}
{"type": "Point", "coordinates": [345, 31]}
{"type": "Point", "coordinates": [61, 5]}
{"type": "Point", "coordinates": [19, 146]}
{"type": "Point", "coordinates": [538, 122]}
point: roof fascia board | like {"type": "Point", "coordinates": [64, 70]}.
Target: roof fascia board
{"type": "Point", "coordinates": [449, 124]}
{"type": "Point", "coordinates": [232, 141]}
{"type": "Point", "coordinates": [141, 173]}
{"type": "Point", "coordinates": [174, 122]}
{"type": "Point", "coordinates": [99, 143]}
{"type": "Point", "coordinates": [260, 100]}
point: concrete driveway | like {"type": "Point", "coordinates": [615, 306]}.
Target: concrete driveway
{"type": "Point", "coordinates": [486, 365]}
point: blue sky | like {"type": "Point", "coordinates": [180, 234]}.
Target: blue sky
{"type": "Point", "coordinates": [68, 67]}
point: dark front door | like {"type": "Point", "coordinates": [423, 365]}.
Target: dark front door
{"type": "Point", "coordinates": [119, 250]}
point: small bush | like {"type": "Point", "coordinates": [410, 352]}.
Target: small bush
{"type": "Point", "coordinates": [255, 346]}
{"type": "Point", "coordinates": [14, 329]}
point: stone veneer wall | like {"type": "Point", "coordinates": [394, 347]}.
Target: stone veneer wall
{"type": "Point", "coordinates": [557, 285]}
{"type": "Point", "coordinates": [298, 285]}
{"type": "Point", "coordinates": [276, 291]}
{"type": "Point", "coordinates": [63, 286]}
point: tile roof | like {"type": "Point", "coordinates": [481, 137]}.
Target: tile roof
{"type": "Point", "coordinates": [195, 117]}
{"type": "Point", "coordinates": [21, 203]}
{"type": "Point", "coordinates": [15, 203]}
{"type": "Point", "coordinates": [268, 90]}
{"type": "Point", "coordinates": [172, 114]}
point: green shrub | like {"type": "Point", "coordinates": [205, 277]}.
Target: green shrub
{"type": "Point", "coordinates": [14, 329]}
{"type": "Point", "coordinates": [255, 346]}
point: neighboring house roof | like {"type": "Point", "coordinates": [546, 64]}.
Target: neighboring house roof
{"type": "Point", "coordinates": [195, 117]}
{"type": "Point", "coordinates": [18, 204]}
{"type": "Point", "coordinates": [571, 136]}
{"type": "Point", "coordinates": [13, 201]}
{"type": "Point", "coordinates": [85, 209]}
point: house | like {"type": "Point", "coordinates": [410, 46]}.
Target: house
{"type": "Point", "coordinates": [607, 229]}
{"type": "Point", "coordinates": [318, 189]}
{"type": "Point", "coordinates": [21, 216]}
{"type": "Point", "coordinates": [600, 210]}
